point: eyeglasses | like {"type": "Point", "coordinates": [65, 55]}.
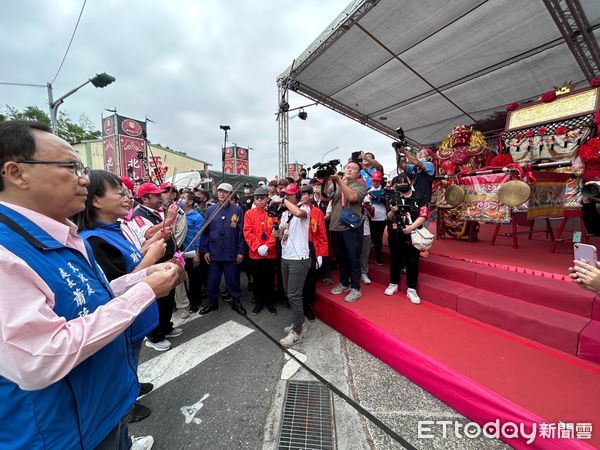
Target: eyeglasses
{"type": "Point", "coordinates": [78, 168]}
{"type": "Point", "coordinates": [125, 193]}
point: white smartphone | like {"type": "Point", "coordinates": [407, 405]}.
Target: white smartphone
{"type": "Point", "coordinates": [586, 253]}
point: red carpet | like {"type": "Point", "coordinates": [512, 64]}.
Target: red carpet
{"type": "Point", "coordinates": [483, 372]}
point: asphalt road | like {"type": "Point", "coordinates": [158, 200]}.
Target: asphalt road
{"type": "Point", "coordinates": [220, 387]}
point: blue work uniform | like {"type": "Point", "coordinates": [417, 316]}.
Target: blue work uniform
{"type": "Point", "coordinates": [223, 239]}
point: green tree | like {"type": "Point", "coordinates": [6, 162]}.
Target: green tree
{"type": "Point", "coordinates": [67, 129]}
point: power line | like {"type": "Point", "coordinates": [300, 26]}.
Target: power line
{"type": "Point", "coordinates": [70, 42]}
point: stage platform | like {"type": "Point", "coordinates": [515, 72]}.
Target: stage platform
{"type": "Point", "coordinates": [502, 333]}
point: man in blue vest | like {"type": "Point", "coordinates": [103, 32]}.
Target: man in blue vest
{"type": "Point", "coordinates": [67, 378]}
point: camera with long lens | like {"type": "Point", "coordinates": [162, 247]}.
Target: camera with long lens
{"type": "Point", "coordinates": [273, 210]}
{"type": "Point", "coordinates": [591, 191]}
{"type": "Point", "coordinates": [401, 142]}
{"type": "Point", "coordinates": [324, 170]}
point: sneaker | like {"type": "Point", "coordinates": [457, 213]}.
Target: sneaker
{"type": "Point", "coordinates": [340, 289]}
{"type": "Point", "coordinates": [354, 295]}
{"type": "Point", "coordinates": [413, 296]}
{"type": "Point", "coordinates": [257, 308]}
{"type": "Point", "coordinates": [304, 328]}
{"type": "Point", "coordinates": [365, 278]}
{"type": "Point", "coordinates": [271, 308]}
{"type": "Point", "coordinates": [391, 289]}
{"type": "Point", "coordinates": [194, 309]}
{"type": "Point", "coordinates": [160, 346]}
{"type": "Point", "coordinates": [291, 339]}
{"type": "Point", "coordinates": [142, 443]}
{"type": "Point", "coordinates": [174, 333]}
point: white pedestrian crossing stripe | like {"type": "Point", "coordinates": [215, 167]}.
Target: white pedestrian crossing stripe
{"type": "Point", "coordinates": [177, 361]}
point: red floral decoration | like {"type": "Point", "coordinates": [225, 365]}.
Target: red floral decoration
{"type": "Point", "coordinates": [512, 106]}
{"type": "Point", "coordinates": [549, 96]}
{"type": "Point", "coordinates": [542, 131]}
{"type": "Point", "coordinates": [529, 133]}
{"type": "Point", "coordinates": [590, 151]}
{"type": "Point", "coordinates": [502, 160]}
{"type": "Point", "coordinates": [561, 130]}
{"type": "Point", "coordinates": [595, 81]}
{"type": "Point", "coordinates": [519, 136]}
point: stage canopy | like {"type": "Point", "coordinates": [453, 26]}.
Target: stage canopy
{"type": "Point", "coordinates": [429, 65]}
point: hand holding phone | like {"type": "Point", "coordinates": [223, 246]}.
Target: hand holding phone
{"type": "Point", "coordinates": [586, 253]}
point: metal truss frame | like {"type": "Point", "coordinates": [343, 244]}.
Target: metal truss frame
{"type": "Point", "coordinates": [575, 28]}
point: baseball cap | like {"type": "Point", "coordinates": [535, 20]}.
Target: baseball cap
{"type": "Point", "coordinates": [166, 185]}
{"type": "Point", "coordinates": [291, 189]}
{"type": "Point", "coordinates": [308, 189]}
{"type": "Point", "coordinates": [127, 182]}
{"type": "Point", "coordinates": [148, 188]}
{"type": "Point", "coordinates": [248, 185]}
{"type": "Point", "coordinates": [225, 187]}
{"type": "Point", "coordinates": [377, 175]}
{"type": "Point", "coordinates": [261, 191]}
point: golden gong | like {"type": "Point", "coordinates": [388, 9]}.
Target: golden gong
{"type": "Point", "coordinates": [454, 195]}
{"type": "Point", "coordinates": [514, 193]}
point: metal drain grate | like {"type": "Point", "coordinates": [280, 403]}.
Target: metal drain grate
{"type": "Point", "coordinates": [307, 417]}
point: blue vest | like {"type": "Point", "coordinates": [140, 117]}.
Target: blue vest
{"type": "Point", "coordinates": [78, 411]}
{"type": "Point", "coordinates": [148, 319]}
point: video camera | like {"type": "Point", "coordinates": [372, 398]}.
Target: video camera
{"type": "Point", "coordinates": [324, 170]}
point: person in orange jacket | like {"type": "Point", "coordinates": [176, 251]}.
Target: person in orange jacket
{"type": "Point", "coordinates": [262, 251]}
{"type": "Point", "coordinates": [319, 248]}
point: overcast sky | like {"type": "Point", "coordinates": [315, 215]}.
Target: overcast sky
{"type": "Point", "coordinates": [189, 65]}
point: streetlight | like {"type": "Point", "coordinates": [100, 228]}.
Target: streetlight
{"type": "Point", "coordinates": [328, 151]}
{"type": "Point", "coordinates": [225, 128]}
{"type": "Point", "coordinates": [100, 80]}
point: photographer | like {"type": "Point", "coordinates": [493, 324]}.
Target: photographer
{"type": "Point", "coordinates": [419, 168]}
{"type": "Point", "coordinates": [295, 258]}
{"type": "Point", "coordinates": [369, 165]}
{"type": "Point", "coordinates": [407, 211]}
{"type": "Point", "coordinates": [347, 193]}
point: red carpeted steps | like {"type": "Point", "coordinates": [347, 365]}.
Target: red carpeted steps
{"type": "Point", "coordinates": [482, 371]}
{"type": "Point", "coordinates": [549, 326]}
{"type": "Point", "coordinates": [554, 312]}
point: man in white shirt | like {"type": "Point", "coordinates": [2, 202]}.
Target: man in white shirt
{"type": "Point", "coordinates": [295, 258]}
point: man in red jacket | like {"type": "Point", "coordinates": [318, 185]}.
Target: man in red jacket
{"type": "Point", "coordinates": [258, 232]}
{"type": "Point", "coordinates": [319, 248]}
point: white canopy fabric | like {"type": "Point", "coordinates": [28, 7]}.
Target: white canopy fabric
{"type": "Point", "coordinates": [429, 65]}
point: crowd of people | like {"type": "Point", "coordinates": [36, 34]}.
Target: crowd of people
{"type": "Point", "coordinates": [101, 263]}
{"type": "Point", "coordinates": [93, 265]}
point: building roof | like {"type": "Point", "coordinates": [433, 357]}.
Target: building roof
{"type": "Point", "coordinates": [428, 66]}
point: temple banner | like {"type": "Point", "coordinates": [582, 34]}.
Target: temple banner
{"type": "Point", "coordinates": [110, 154]}
{"type": "Point", "coordinates": [124, 146]}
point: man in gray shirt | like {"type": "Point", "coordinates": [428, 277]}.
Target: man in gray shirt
{"type": "Point", "coordinates": [347, 192]}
